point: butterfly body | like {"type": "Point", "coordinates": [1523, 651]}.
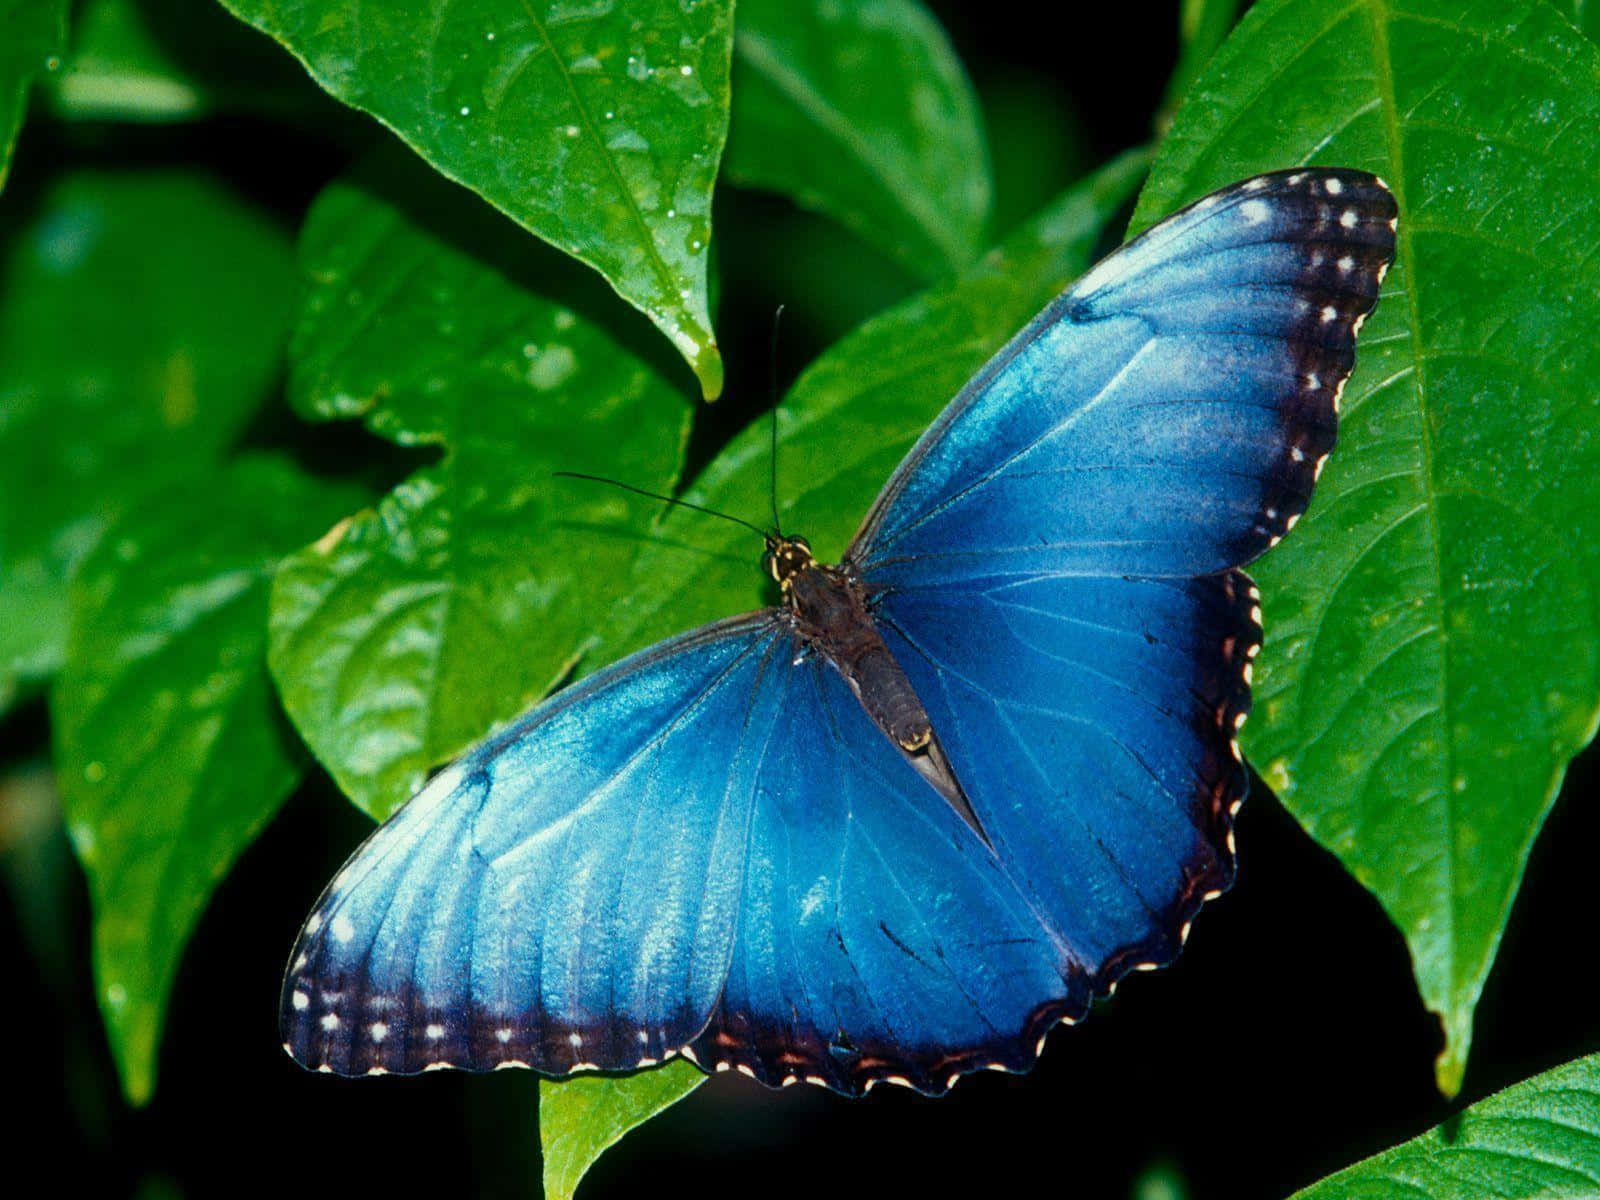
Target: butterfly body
{"type": "Point", "coordinates": [949, 791]}
{"type": "Point", "coordinates": [831, 614]}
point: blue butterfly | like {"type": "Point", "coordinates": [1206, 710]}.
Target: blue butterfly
{"type": "Point", "coordinates": [951, 789]}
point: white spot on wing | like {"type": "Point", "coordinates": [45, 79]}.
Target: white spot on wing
{"type": "Point", "coordinates": [434, 1032]}
{"type": "Point", "coordinates": [342, 929]}
{"type": "Point", "coordinates": [1254, 211]}
{"type": "Point", "coordinates": [330, 1021]}
{"type": "Point", "coordinates": [301, 1001]}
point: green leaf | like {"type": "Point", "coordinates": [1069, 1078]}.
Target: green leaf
{"type": "Point", "coordinates": [854, 413]}
{"type": "Point", "coordinates": [141, 322]}
{"type": "Point", "coordinates": [579, 1119]}
{"type": "Point", "coordinates": [863, 111]}
{"type": "Point", "coordinates": [171, 750]}
{"type": "Point", "coordinates": [480, 582]}
{"type": "Point", "coordinates": [845, 424]}
{"type": "Point", "coordinates": [596, 125]}
{"type": "Point", "coordinates": [35, 32]}
{"type": "Point", "coordinates": [1433, 628]}
{"type": "Point", "coordinates": [1540, 1138]}
{"type": "Point", "coordinates": [172, 60]}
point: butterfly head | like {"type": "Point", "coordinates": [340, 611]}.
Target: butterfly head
{"type": "Point", "coordinates": [786, 557]}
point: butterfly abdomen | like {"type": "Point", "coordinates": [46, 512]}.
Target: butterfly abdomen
{"type": "Point", "coordinates": [832, 616]}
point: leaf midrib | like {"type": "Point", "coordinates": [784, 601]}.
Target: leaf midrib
{"type": "Point", "coordinates": [1381, 15]}
{"type": "Point", "coordinates": [664, 276]}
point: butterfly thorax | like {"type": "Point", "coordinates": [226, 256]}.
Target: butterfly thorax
{"type": "Point", "coordinates": [830, 614]}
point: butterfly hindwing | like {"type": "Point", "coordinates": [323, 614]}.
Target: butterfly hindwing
{"type": "Point", "coordinates": [1091, 722]}
{"type": "Point", "coordinates": [878, 938]}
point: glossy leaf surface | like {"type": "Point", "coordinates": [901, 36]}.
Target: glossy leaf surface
{"type": "Point", "coordinates": [598, 126]}
{"type": "Point", "coordinates": [580, 1119]}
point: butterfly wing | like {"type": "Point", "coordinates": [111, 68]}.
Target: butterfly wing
{"type": "Point", "coordinates": [1053, 564]}
{"type": "Point", "coordinates": [565, 894]}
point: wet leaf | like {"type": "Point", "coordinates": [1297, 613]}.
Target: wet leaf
{"type": "Point", "coordinates": [596, 125]}
{"type": "Point", "coordinates": [1433, 627]}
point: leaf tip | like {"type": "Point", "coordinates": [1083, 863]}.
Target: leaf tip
{"type": "Point", "coordinates": [133, 1044]}
{"type": "Point", "coordinates": [1450, 1067]}
{"type": "Point", "coordinates": [707, 364]}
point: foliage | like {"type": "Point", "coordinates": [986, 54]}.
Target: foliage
{"type": "Point", "coordinates": [193, 563]}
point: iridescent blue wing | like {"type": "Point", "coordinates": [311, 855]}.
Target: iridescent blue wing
{"type": "Point", "coordinates": [708, 844]}
{"type": "Point", "coordinates": [564, 895]}
{"type": "Point", "coordinates": [1053, 563]}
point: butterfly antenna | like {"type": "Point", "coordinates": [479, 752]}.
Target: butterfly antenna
{"type": "Point", "coordinates": [638, 491]}
{"type": "Point", "coordinates": [772, 363]}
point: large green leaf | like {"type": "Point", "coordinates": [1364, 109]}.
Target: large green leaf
{"type": "Point", "coordinates": [846, 422]}
{"type": "Point", "coordinates": [597, 125]}
{"type": "Point", "coordinates": [580, 1119]}
{"type": "Point", "coordinates": [33, 34]}
{"type": "Point", "coordinates": [1539, 1139]}
{"type": "Point", "coordinates": [171, 750]}
{"type": "Point", "coordinates": [477, 584]}
{"type": "Point", "coordinates": [1433, 625]}
{"type": "Point", "coordinates": [141, 322]}
{"type": "Point", "coordinates": [863, 111]}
